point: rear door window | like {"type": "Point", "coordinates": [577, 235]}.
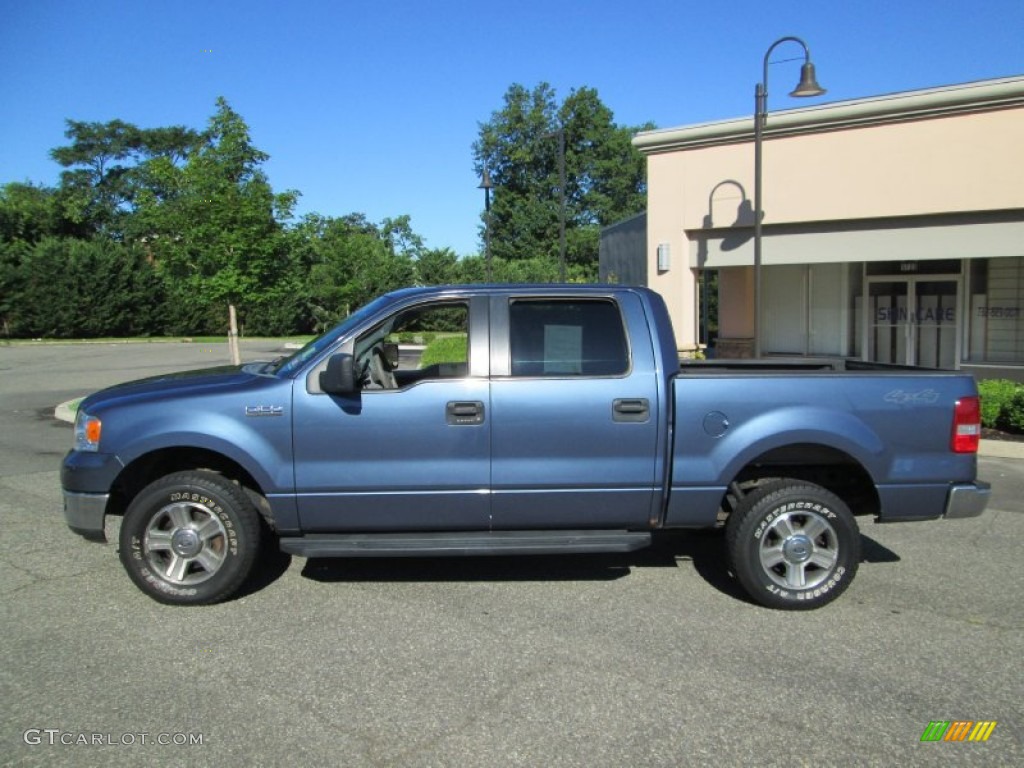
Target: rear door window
{"type": "Point", "coordinates": [577, 337]}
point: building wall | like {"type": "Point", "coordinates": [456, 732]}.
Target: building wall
{"type": "Point", "coordinates": [622, 253]}
{"type": "Point", "coordinates": [666, 213]}
{"type": "Point", "coordinates": [830, 169]}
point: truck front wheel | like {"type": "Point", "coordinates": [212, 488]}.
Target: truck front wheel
{"type": "Point", "coordinates": [190, 538]}
{"type": "Point", "coordinates": [793, 545]}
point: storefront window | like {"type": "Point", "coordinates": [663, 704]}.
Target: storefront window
{"type": "Point", "coordinates": [806, 309]}
{"type": "Point", "coordinates": [996, 325]}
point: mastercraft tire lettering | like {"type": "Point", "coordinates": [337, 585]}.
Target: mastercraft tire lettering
{"type": "Point", "coordinates": [793, 544]}
{"type": "Point", "coordinates": [190, 538]}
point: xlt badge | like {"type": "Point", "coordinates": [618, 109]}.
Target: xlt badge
{"type": "Point", "coordinates": [264, 410]}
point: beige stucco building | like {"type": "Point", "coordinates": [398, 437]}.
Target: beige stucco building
{"type": "Point", "coordinates": [893, 228]}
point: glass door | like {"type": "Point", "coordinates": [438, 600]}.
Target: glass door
{"type": "Point", "coordinates": [913, 321]}
{"type": "Point", "coordinates": [934, 326]}
{"type": "Point", "coordinates": [889, 331]}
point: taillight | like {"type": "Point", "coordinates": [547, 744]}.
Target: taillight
{"type": "Point", "coordinates": [966, 425]}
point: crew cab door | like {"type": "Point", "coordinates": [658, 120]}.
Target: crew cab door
{"type": "Point", "coordinates": [410, 450]}
{"type": "Point", "coordinates": [574, 413]}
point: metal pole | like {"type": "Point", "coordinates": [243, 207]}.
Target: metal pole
{"type": "Point", "coordinates": [808, 86]}
{"type": "Point", "coordinates": [485, 185]}
{"type": "Point", "coordinates": [759, 106]}
{"type": "Point", "coordinates": [561, 187]}
{"type": "Point", "coordinates": [487, 231]}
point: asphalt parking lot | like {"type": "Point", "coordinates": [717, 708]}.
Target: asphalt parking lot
{"type": "Point", "coordinates": [653, 659]}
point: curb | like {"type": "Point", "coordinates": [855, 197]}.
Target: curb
{"type": "Point", "coordinates": [1001, 449]}
{"type": "Point", "coordinates": [64, 411]}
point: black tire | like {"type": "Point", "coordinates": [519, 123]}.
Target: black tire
{"type": "Point", "coordinates": [190, 538]}
{"type": "Point", "coordinates": [793, 545]}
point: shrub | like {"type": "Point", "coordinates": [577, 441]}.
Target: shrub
{"type": "Point", "coordinates": [995, 396]}
{"type": "Point", "coordinates": [1002, 404]}
{"type": "Point", "coordinates": [68, 288]}
{"type": "Point", "coordinates": [1013, 411]}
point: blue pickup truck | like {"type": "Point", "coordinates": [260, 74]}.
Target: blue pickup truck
{"type": "Point", "coordinates": [517, 420]}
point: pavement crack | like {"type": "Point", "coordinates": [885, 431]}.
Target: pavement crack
{"type": "Point", "coordinates": [34, 578]}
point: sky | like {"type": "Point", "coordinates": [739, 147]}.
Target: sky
{"type": "Point", "coordinates": [372, 106]}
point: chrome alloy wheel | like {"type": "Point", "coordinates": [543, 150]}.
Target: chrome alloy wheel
{"type": "Point", "coordinates": [799, 550]}
{"type": "Point", "coordinates": [185, 543]}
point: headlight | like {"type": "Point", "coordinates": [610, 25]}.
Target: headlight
{"type": "Point", "coordinates": [87, 432]}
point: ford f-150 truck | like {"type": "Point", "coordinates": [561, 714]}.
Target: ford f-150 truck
{"type": "Point", "coordinates": [517, 420]}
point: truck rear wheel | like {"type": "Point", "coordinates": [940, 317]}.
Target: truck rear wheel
{"type": "Point", "coordinates": [190, 538]}
{"type": "Point", "coordinates": [793, 545]}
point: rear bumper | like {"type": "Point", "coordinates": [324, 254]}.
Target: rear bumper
{"type": "Point", "coordinates": [967, 500]}
{"type": "Point", "coordinates": [85, 512]}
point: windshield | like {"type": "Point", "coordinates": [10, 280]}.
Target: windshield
{"type": "Point", "coordinates": [286, 366]}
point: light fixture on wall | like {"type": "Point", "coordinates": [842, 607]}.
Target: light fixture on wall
{"type": "Point", "coordinates": [808, 86]}
{"type": "Point", "coordinates": [664, 257]}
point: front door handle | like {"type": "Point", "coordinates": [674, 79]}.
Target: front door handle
{"type": "Point", "coordinates": [462, 413]}
{"type": "Point", "coordinates": [631, 409]}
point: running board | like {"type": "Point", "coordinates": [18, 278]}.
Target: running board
{"type": "Point", "coordinates": [462, 543]}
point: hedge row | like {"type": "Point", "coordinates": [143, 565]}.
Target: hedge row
{"type": "Point", "coordinates": [1002, 404]}
{"type": "Point", "coordinates": [445, 349]}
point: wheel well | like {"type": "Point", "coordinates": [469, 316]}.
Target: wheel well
{"type": "Point", "coordinates": [823, 465]}
{"type": "Point", "coordinates": [152, 466]}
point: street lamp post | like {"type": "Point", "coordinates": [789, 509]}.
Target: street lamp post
{"type": "Point", "coordinates": [808, 86]}
{"type": "Point", "coordinates": [561, 203]}
{"type": "Point", "coordinates": [486, 185]}
{"type": "Point", "coordinates": [560, 133]}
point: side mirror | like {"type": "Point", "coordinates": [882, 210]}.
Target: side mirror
{"type": "Point", "coordinates": [390, 354]}
{"type": "Point", "coordinates": [339, 378]}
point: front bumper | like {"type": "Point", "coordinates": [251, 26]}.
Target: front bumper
{"type": "Point", "coordinates": [967, 500]}
{"type": "Point", "coordinates": [88, 472]}
{"type": "Point", "coordinates": [86, 479]}
{"type": "Point", "coordinates": [85, 513]}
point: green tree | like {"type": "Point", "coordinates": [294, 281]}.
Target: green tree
{"type": "Point", "coordinates": [159, 229]}
{"type": "Point", "coordinates": [438, 266]}
{"type": "Point", "coordinates": [349, 261]}
{"type": "Point", "coordinates": [401, 239]}
{"type": "Point", "coordinates": [12, 258]}
{"type": "Point", "coordinates": [214, 226]}
{"type": "Point", "coordinates": [105, 165]}
{"type": "Point", "coordinates": [605, 179]}
{"type": "Point", "coordinates": [29, 213]}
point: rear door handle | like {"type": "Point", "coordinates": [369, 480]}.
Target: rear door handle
{"type": "Point", "coordinates": [631, 409]}
{"type": "Point", "coordinates": [462, 413]}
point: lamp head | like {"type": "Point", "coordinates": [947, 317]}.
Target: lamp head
{"type": "Point", "coordinates": [485, 180]}
{"type": "Point", "coordinates": [808, 85]}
